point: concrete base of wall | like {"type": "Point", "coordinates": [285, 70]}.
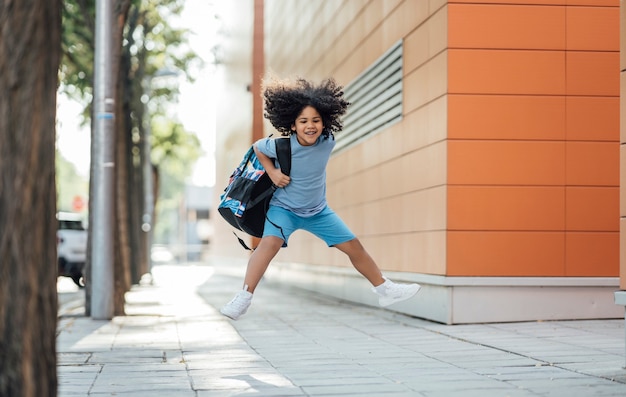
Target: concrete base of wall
{"type": "Point", "coordinates": [620, 299]}
{"type": "Point", "coordinates": [462, 300]}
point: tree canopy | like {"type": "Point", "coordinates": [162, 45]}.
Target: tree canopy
{"type": "Point", "coordinates": [153, 49]}
{"type": "Point", "coordinates": [146, 48]}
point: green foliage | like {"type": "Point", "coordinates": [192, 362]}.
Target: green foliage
{"type": "Point", "coordinates": [176, 151]}
{"type": "Point", "coordinates": [77, 43]}
{"type": "Point", "coordinates": [149, 43]}
{"type": "Point", "coordinates": [150, 49]}
{"type": "Point", "coordinates": [69, 184]}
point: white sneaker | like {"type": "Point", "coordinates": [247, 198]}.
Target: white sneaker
{"type": "Point", "coordinates": [238, 305]}
{"type": "Point", "coordinates": [390, 292]}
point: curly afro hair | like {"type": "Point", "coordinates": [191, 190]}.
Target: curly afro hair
{"type": "Point", "coordinates": [284, 101]}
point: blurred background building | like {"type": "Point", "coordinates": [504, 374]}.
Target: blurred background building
{"type": "Point", "coordinates": [197, 226]}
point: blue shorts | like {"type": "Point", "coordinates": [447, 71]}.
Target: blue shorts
{"type": "Point", "coordinates": [326, 225]}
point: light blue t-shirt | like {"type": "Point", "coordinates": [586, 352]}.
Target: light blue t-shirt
{"type": "Point", "coordinates": [305, 195]}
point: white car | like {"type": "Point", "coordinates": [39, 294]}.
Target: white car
{"type": "Point", "coordinates": [71, 246]}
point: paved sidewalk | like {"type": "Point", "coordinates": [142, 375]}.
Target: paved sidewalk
{"type": "Point", "coordinates": [174, 342]}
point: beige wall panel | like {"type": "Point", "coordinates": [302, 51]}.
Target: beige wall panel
{"type": "Point", "coordinates": [306, 248]}
{"type": "Point", "coordinates": [622, 106]}
{"type": "Point", "coordinates": [341, 43]}
{"type": "Point", "coordinates": [422, 127]}
{"type": "Point", "coordinates": [622, 177]}
{"type": "Point", "coordinates": [387, 6]}
{"type": "Point", "coordinates": [426, 83]}
{"type": "Point", "coordinates": [363, 42]}
{"type": "Point", "coordinates": [411, 252]}
{"type": "Point", "coordinates": [314, 54]}
{"type": "Point", "coordinates": [384, 146]}
{"type": "Point", "coordinates": [622, 238]}
{"type": "Point", "coordinates": [425, 168]}
{"type": "Point", "coordinates": [376, 216]}
{"type": "Point", "coordinates": [434, 5]}
{"type": "Point", "coordinates": [357, 189]}
{"type": "Point", "coordinates": [354, 53]}
{"type": "Point", "coordinates": [423, 210]}
{"type": "Point", "coordinates": [371, 151]}
{"type": "Point", "coordinates": [353, 217]}
{"type": "Point", "coordinates": [426, 125]}
{"type": "Point", "coordinates": [418, 170]}
{"type": "Point", "coordinates": [428, 40]}
{"type": "Point", "coordinates": [345, 36]}
{"type": "Point", "coordinates": [622, 148]}
{"type": "Point", "coordinates": [352, 35]}
{"type": "Point", "coordinates": [389, 144]}
{"type": "Point", "coordinates": [622, 253]}
{"type": "Point", "coordinates": [399, 23]}
{"type": "Point", "coordinates": [423, 252]}
{"type": "Point", "coordinates": [419, 129]}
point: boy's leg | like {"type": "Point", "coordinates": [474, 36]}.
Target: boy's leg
{"type": "Point", "coordinates": [329, 227]}
{"type": "Point", "coordinates": [260, 260]}
{"type": "Point", "coordinates": [362, 261]}
{"type": "Point", "coordinates": [257, 265]}
{"type": "Point", "coordinates": [387, 291]}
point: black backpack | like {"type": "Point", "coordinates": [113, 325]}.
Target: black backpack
{"type": "Point", "coordinates": [245, 200]}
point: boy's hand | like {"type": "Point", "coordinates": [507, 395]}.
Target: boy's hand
{"type": "Point", "coordinates": [278, 178]}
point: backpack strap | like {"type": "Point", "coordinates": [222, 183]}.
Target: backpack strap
{"type": "Point", "coordinates": [283, 153]}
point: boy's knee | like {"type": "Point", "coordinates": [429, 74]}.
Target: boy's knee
{"type": "Point", "coordinates": [351, 247]}
{"type": "Point", "coordinates": [272, 242]}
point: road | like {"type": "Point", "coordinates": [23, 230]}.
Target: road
{"type": "Point", "coordinates": [71, 298]}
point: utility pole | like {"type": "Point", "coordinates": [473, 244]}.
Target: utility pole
{"type": "Point", "coordinates": [102, 254]}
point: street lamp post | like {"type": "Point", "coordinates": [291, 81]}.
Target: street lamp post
{"type": "Point", "coordinates": [102, 306]}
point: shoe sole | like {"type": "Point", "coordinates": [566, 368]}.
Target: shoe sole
{"type": "Point", "coordinates": [385, 303]}
{"type": "Point", "coordinates": [231, 317]}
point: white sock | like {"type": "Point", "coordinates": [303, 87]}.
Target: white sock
{"type": "Point", "coordinates": [383, 287]}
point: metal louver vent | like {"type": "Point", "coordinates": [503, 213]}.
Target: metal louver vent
{"type": "Point", "coordinates": [375, 97]}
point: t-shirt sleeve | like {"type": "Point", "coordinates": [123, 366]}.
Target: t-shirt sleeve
{"type": "Point", "coordinates": [266, 146]}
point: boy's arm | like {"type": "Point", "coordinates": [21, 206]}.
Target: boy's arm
{"type": "Point", "coordinates": [278, 178]}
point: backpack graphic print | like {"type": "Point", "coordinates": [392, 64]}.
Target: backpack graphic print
{"type": "Point", "coordinates": [245, 200]}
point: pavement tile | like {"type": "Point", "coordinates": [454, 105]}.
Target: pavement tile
{"type": "Point", "coordinates": [506, 392]}
{"type": "Point", "coordinates": [73, 358]}
{"type": "Point", "coordinates": [241, 381]}
{"type": "Point", "coordinates": [144, 393]}
{"type": "Point", "coordinates": [425, 386]}
{"type": "Point", "coordinates": [174, 342]}
{"type": "Point", "coordinates": [380, 389]}
{"type": "Point", "coordinates": [282, 392]}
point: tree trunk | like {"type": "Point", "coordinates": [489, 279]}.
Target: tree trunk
{"type": "Point", "coordinates": [30, 49]}
{"type": "Point", "coordinates": [135, 177]}
{"type": "Point", "coordinates": [122, 212]}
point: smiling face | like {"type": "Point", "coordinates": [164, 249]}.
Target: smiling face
{"type": "Point", "coordinates": [308, 126]}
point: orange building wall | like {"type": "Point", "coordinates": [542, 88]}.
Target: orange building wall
{"type": "Point", "coordinates": [533, 132]}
